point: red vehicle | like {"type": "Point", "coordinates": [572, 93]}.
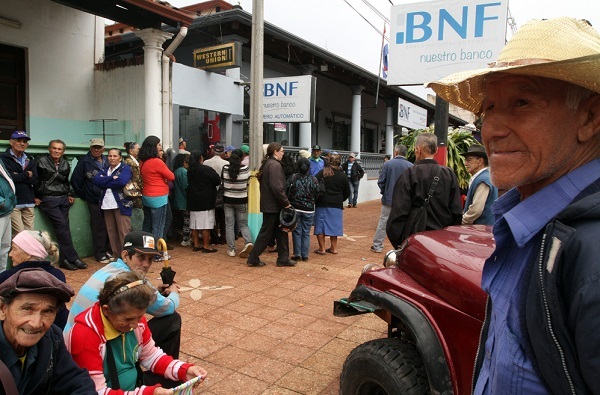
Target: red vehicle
{"type": "Point", "coordinates": [430, 295]}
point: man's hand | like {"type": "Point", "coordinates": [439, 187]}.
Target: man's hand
{"type": "Point", "coordinates": [71, 200]}
{"type": "Point", "coordinates": [166, 289]}
{"type": "Point", "coordinates": [29, 173]}
{"type": "Point", "coordinates": [37, 201]}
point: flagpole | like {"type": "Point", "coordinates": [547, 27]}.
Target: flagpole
{"type": "Point", "coordinates": [380, 62]}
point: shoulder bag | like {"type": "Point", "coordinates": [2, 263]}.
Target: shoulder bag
{"type": "Point", "coordinates": [417, 218]}
{"type": "Point", "coordinates": [219, 201]}
{"type": "Point", "coordinates": [132, 190]}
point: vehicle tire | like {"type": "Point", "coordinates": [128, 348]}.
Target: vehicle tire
{"type": "Point", "coordinates": [384, 366]}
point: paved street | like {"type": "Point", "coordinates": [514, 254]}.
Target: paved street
{"type": "Point", "coordinates": [271, 330]}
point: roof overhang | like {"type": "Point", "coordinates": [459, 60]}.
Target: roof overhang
{"type": "Point", "coordinates": [137, 13]}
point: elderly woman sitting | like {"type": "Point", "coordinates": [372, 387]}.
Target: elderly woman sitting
{"type": "Point", "coordinates": [113, 335]}
{"type": "Point", "coordinates": [33, 349]}
{"type": "Point", "coordinates": [35, 249]}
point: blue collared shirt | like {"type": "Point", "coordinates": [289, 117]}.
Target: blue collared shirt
{"type": "Point", "coordinates": [506, 368]}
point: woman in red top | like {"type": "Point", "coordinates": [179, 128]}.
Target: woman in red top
{"type": "Point", "coordinates": [155, 192]}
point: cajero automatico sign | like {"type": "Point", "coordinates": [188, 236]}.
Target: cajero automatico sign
{"type": "Point", "coordinates": [411, 115]}
{"type": "Point", "coordinates": [289, 99]}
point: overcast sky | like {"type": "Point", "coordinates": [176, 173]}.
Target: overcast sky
{"type": "Point", "coordinates": [335, 26]}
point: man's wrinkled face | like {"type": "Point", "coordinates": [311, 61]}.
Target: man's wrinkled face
{"type": "Point", "coordinates": [27, 319]}
{"type": "Point", "coordinates": [97, 151]}
{"type": "Point", "coordinates": [56, 151]}
{"type": "Point", "coordinates": [529, 134]}
{"type": "Point", "coordinates": [473, 163]}
{"type": "Point", "coordinates": [316, 153]}
{"type": "Point", "coordinates": [18, 146]}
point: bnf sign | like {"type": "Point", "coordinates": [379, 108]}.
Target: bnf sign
{"type": "Point", "coordinates": [433, 39]}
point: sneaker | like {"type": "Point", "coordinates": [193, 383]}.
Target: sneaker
{"type": "Point", "coordinates": [246, 250]}
{"type": "Point", "coordinates": [104, 260]}
{"type": "Point", "coordinates": [186, 243]}
{"type": "Point", "coordinates": [159, 258]}
{"type": "Point", "coordinates": [375, 250]}
{"type": "Point", "coordinates": [231, 253]}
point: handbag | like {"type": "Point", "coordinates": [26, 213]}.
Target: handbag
{"type": "Point", "coordinates": [132, 190]}
{"type": "Point", "coordinates": [417, 218]}
{"type": "Point", "coordinates": [220, 193]}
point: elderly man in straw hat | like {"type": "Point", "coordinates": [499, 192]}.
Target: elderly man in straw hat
{"type": "Point", "coordinates": [482, 193]}
{"type": "Point", "coordinates": [540, 107]}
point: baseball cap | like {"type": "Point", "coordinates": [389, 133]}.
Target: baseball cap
{"type": "Point", "coordinates": [97, 142]}
{"type": "Point", "coordinates": [218, 148]}
{"type": "Point", "coordinates": [36, 280]}
{"type": "Point", "coordinates": [229, 148]}
{"type": "Point", "coordinates": [19, 134]}
{"type": "Point", "coordinates": [182, 140]}
{"type": "Point", "coordinates": [326, 152]}
{"type": "Point", "coordinates": [352, 155]}
{"type": "Point", "coordinates": [245, 149]}
{"type": "Point", "coordinates": [316, 147]}
{"type": "Point", "coordinates": [142, 242]}
{"type": "Point", "coordinates": [304, 153]}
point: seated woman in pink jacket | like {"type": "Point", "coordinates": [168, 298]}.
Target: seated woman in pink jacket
{"type": "Point", "coordinates": [115, 329]}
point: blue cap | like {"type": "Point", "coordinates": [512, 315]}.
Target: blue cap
{"type": "Point", "coordinates": [326, 152]}
{"type": "Point", "coordinates": [229, 148]}
{"type": "Point", "coordinates": [19, 134]}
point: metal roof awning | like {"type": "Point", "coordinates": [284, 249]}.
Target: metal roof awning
{"type": "Point", "coordinates": [141, 14]}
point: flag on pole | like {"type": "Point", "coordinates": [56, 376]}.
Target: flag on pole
{"type": "Point", "coordinates": [384, 67]}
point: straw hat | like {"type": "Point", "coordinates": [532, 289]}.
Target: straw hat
{"type": "Point", "coordinates": [565, 49]}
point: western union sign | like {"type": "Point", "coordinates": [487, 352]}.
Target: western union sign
{"type": "Point", "coordinates": [224, 56]}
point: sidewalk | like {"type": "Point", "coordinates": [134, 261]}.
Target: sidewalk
{"type": "Point", "coordinates": [271, 330]}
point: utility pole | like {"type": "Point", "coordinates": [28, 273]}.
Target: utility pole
{"type": "Point", "coordinates": [256, 114]}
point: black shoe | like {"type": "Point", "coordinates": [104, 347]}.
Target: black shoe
{"type": "Point", "coordinates": [259, 264]}
{"type": "Point", "coordinates": [286, 263]}
{"type": "Point", "coordinates": [304, 258]}
{"type": "Point", "coordinates": [196, 249]}
{"type": "Point", "coordinates": [79, 263]}
{"type": "Point", "coordinates": [67, 265]}
{"type": "Point", "coordinates": [295, 258]}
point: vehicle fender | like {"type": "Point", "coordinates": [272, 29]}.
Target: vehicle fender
{"type": "Point", "coordinates": [426, 339]}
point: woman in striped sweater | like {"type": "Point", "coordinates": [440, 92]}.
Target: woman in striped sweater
{"type": "Point", "coordinates": [235, 203]}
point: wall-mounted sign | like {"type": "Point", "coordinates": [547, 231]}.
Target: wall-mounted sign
{"type": "Point", "coordinates": [411, 115]}
{"type": "Point", "coordinates": [433, 39]}
{"type": "Point", "coordinates": [224, 56]}
{"type": "Point", "coordinates": [289, 99]}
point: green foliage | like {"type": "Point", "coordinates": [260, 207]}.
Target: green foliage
{"type": "Point", "coordinates": [458, 141]}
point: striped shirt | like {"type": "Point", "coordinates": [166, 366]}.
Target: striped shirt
{"type": "Point", "coordinates": [88, 294]}
{"type": "Point", "coordinates": [236, 191]}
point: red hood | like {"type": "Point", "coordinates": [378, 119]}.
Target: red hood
{"type": "Point", "coordinates": [448, 262]}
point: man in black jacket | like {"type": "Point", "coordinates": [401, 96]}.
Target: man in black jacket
{"type": "Point", "coordinates": [53, 198]}
{"type": "Point", "coordinates": [411, 190]}
{"type": "Point", "coordinates": [354, 172]}
{"type": "Point", "coordinates": [81, 181]}
{"type": "Point", "coordinates": [22, 169]}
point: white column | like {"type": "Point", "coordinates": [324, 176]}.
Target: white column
{"type": "Point", "coordinates": [153, 41]}
{"type": "Point", "coordinates": [305, 132]}
{"type": "Point", "coordinates": [356, 118]}
{"type": "Point", "coordinates": [389, 128]}
{"type": "Point", "coordinates": [305, 135]}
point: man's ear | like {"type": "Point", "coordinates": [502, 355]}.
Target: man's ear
{"type": "Point", "coordinates": [589, 109]}
{"type": "Point", "coordinates": [3, 307]}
